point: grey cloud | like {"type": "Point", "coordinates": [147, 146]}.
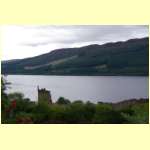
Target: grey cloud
{"type": "Point", "coordinates": [34, 44]}
{"type": "Point", "coordinates": [76, 34]}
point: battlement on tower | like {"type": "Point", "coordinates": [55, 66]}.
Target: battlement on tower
{"type": "Point", "coordinates": [44, 96]}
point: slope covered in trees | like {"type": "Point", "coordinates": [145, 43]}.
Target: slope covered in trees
{"type": "Point", "coordinates": [121, 58]}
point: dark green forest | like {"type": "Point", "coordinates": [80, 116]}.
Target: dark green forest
{"type": "Point", "coordinates": [121, 58]}
{"type": "Point", "coordinates": [15, 109]}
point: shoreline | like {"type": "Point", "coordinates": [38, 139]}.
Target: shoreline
{"type": "Point", "coordinates": [78, 75]}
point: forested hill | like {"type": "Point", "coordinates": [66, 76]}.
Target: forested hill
{"type": "Point", "coordinates": [121, 58]}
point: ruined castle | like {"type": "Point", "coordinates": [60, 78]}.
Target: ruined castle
{"type": "Point", "coordinates": [44, 96]}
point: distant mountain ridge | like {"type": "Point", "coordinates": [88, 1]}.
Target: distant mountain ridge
{"type": "Point", "coordinates": [120, 58]}
{"type": "Point", "coordinates": [8, 61]}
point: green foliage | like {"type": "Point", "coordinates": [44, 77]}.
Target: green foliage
{"type": "Point", "coordinates": [4, 100]}
{"type": "Point", "coordinates": [75, 113]}
{"type": "Point", "coordinates": [58, 113]}
{"type": "Point", "coordinates": [24, 111]}
{"type": "Point", "coordinates": [16, 96]}
{"type": "Point", "coordinates": [3, 86]}
{"type": "Point", "coordinates": [77, 102]}
{"type": "Point", "coordinates": [140, 114]}
{"type": "Point", "coordinates": [106, 114]}
{"type": "Point", "coordinates": [41, 113]}
{"type": "Point", "coordinates": [62, 100]}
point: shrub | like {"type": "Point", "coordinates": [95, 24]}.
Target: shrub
{"type": "Point", "coordinates": [105, 114]}
{"type": "Point", "coordinates": [75, 113]}
{"type": "Point", "coordinates": [41, 113]}
{"type": "Point", "coordinates": [58, 113]}
{"type": "Point", "coordinates": [140, 114]}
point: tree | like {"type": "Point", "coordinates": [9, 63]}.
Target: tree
{"type": "Point", "coordinates": [62, 100]}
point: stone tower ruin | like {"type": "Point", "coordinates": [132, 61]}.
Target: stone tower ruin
{"type": "Point", "coordinates": [44, 96]}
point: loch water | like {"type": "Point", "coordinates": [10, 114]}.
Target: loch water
{"type": "Point", "coordinates": [85, 88]}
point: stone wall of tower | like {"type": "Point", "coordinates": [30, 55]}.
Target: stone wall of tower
{"type": "Point", "coordinates": [44, 96]}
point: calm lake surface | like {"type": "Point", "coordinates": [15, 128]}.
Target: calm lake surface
{"type": "Point", "coordinates": [93, 88]}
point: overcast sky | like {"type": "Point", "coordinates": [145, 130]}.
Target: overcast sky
{"type": "Point", "coordinates": [28, 41]}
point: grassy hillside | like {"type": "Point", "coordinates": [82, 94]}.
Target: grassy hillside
{"type": "Point", "coordinates": [120, 58]}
